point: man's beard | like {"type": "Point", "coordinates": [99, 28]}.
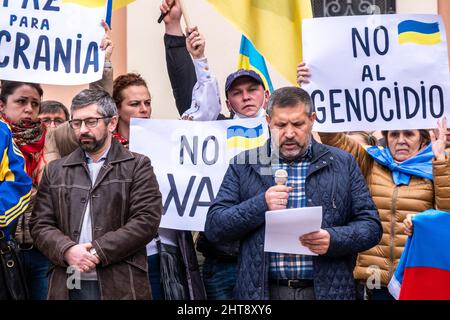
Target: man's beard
{"type": "Point", "coordinates": [294, 154]}
{"type": "Point", "coordinates": [91, 146]}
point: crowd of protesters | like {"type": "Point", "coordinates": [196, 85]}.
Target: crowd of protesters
{"type": "Point", "coordinates": [77, 204]}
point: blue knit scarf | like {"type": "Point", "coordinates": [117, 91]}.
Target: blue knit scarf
{"type": "Point", "coordinates": [420, 165]}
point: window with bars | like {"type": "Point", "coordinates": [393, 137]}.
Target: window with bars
{"type": "Point", "coordinates": [331, 8]}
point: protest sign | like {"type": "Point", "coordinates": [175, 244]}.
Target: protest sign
{"type": "Point", "coordinates": [378, 72]}
{"type": "Point", "coordinates": [190, 159]}
{"type": "Point", "coordinates": [51, 41]}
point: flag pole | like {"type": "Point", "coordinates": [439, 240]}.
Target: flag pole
{"type": "Point", "coordinates": [184, 10]}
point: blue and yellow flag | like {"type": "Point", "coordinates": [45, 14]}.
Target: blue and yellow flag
{"type": "Point", "coordinates": [251, 59]}
{"type": "Point", "coordinates": [273, 26]}
{"type": "Point", "coordinates": [245, 138]}
{"type": "Point", "coordinates": [116, 4]}
{"type": "Point", "coordinates": [411, 31]}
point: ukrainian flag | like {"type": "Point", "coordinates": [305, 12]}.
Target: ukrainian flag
{"type": "Point", "coordinates": [245, 138]}
{"type": "Point", "coordinates": [273, 26]}
{"type": "Point", "coordinates": [251, 59]}
{"type": "Point", "coordinates": [116, 4]}
{"type": "Point", "coordinates": [411, 31]}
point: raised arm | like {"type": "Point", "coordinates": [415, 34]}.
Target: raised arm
{"type": "Point", "coordinates": [179, 63]}
{"type": "Point", "coordinates": [441, 166]}
{"type": "Point", "coordinates": [205, 104]}
{"type": "Point", "coordinates": [107, 45]}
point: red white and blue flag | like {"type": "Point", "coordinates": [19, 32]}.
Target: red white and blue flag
{"type": "Point", "coordinates": [423, 272]}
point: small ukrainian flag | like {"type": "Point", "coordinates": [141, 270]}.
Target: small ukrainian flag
{"type": "Point", "coordinates": [245, 138]}
{"type": "Point", "coordinates": [411, 31]}
{"type": "Point", "coordinates": [251, 59]}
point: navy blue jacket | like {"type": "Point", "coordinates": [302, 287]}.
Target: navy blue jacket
{"type": "Point", "coordinates": [334, 182]}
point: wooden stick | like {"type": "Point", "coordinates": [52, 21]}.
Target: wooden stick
{"type": "Point", "coordinates": [184, 10]}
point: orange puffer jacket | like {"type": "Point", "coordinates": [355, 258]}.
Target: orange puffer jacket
{"type": "Point", "coordinates": [394, 203]}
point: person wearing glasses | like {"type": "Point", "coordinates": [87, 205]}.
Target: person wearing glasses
{"type": "Point", "coordinates": [96, 209]}
{"type": "Point", "coordinates": [20, 104]}
{"type": "Point", "coordinates": [53, 113]}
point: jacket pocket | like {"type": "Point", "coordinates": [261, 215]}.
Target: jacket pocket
{"type": "Point", "coordinates": [141, 265]}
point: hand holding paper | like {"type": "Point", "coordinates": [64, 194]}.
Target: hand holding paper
{"type": "Point", "coordinates": [318, 242]}
{"type": "Point", "coordinates": [285, 227]}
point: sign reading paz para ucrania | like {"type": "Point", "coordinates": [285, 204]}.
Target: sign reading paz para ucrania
{"type": "Point", "coordinates": [378, 72]}
{"type": "Point", "coordinates": [51, 41]}
{"type": "Point", "coordinates": [190, 160]}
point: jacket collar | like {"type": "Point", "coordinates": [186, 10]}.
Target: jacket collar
{"type": "Point", "coordinates": [117, 153]}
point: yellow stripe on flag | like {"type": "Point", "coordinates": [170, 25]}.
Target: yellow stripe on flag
{"type": "Point", "coordinates": [419, 38]}
{"type": "Point", "coordinates": [273, 26]}
{"type": "Point", "coordinates": [117, 4]}
{"type": "Point", "coordinates": [245, 143]}
{"type": "Point", "coordinates": [87, 3]}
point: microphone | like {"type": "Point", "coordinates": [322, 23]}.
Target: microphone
{"type": "Point", "coordinates": [162, 16]}
{"type": "Point", "coordinates": [281, 177]}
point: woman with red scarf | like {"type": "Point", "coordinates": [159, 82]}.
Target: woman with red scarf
{"type": "Point", "coordinates": [19, 107]}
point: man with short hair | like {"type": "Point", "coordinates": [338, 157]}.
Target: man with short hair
{"type": "Point", "coordinates": [96, 209]}
{"type": "Point", "coordinates": [318, 175]}
{"type": "Point", "coordinates": [246, 94]}
{"type": "Point", "coordinates": [53, 113]}
{"type": "Point", "coordinates": [246, 98]}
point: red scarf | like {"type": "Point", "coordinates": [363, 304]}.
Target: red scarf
{"type": "Point", "coordinates": [116, 135]}
{"type": "Point", "coordinates": [29, 136]}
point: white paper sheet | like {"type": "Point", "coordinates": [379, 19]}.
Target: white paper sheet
{"type": "Point", "coordinates": [284, 227]}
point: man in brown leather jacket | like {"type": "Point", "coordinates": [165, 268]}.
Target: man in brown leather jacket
{"type": "Point", "coordinates": [96, 209]}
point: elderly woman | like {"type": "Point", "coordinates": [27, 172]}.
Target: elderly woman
{"type": "Point", "coordinates": [410, 175]}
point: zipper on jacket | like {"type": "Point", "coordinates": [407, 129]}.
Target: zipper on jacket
{"type": "Point", "coordinates": [90, 196]}
{"type": "Point", "coordinates": [85, 206]}
{"type": "Point", "coordinates": [392, 238]}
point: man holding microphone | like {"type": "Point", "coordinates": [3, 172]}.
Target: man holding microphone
{"type": "Point", "coordinates": [316, 175]}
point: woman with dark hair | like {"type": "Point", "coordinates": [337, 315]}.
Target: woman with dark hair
{"type": "Point", "coordinates": [402, 180]}
{"type": "Point", "coordinates": [19, 107]}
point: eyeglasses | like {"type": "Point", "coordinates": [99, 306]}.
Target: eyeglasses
{"type": "Point", "coordinates": [57, 121]}
{"type": "Point", "coordinates": [88, 122]}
